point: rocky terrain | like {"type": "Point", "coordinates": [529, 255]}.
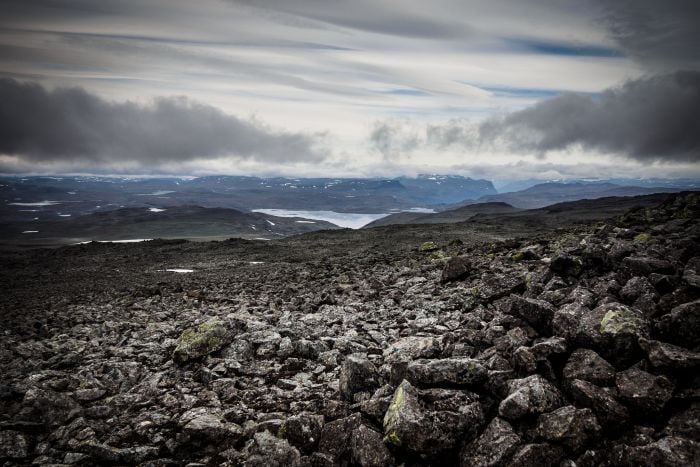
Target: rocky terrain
{"type": "Point", "coordinates": [458, 344]}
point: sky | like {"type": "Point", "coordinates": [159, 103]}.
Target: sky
{"type": "Point", "coordinates": [518, 89]}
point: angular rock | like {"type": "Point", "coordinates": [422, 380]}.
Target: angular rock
{"type": "Point", "coordinates": [368, 448]}
{"type": "Point", "coordinates": [357, 375]}
{"type": "Point", "coordinates": [452, 371]}
{"type": "Point", "coordinates": [203, 423]}
{"type": "Point", "coordinates": [635, 288]}
{"type": "Point", "coordinates": [537, 313]}
{"type": "Point", "coordinates": [529, 396]}
{"type": "Point", "coordinates": [537, 455]}
{"type": "Point", "coordinates": [609, 412]}
{"type": "Point", "coordinates": [691, 273]}
{"type": "Point", "coordinates": [565, 321]}
{"type": "Point", "coordinates": [456, 268]}
{"type": "Point", "coordinates": [671, 451]}
{"type": "Point", "coordinates": [566, 265]}
{"type": "Point", "coordinates": [614, 330]}
{"type": "Point", "coordinates": [645, 265]}
{"type": "Point", "coordinates": [104, 454]}
{"type": "Point", "coordinates": [270, 451]}
{"type": "Point", "coordinates": [303, 431]}
{"type": "Point", "coordinates": [430, 422]}
{"type": "Point", "coordinates": [197, 342]}
{"type": "Point", "coordinates": [643, 392]}
{"type": "Point", "coordinates": [336, 437]}
{"type": "Point", "coordinates": [569, 426]}
{"type": "Point", "coordinates": [13, 445]}
{"type": "Point", "coordinates": [492, 448]}
{"type": "Point", "coordinates": [586, 365]}
{"type": "Point", "coordinates": [670, 357]}
{"type": "Point", "coordinates": [682, 325]}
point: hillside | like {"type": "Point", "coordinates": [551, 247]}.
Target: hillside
{"type": "Point", "coordinates": [568, 346]}
{"type": "Point", "coordinates": [546, 194]}
{"type": "Point", "coordinates": [146, 223]}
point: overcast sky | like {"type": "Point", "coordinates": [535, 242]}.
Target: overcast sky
{"type": "Point", "coordinates": [486, 88]}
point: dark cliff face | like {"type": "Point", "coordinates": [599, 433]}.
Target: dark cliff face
{"type": "Point", "coordinates": [421, 345]}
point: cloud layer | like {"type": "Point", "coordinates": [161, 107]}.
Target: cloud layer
{"type": "Point", "coordinates": [70, 124]}
{"type": "Point", "coordinates": [651, 119]}
{"type": "Point", "coordinates": [656, 118]}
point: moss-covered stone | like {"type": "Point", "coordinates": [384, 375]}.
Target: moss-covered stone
{"type": "Point", "coordinates": [620, 321]}
{"type": "Point", "coordinates": [197, 342]}
{"type": "Point", "coordinates": [391, 418]}
{"type": "Point", "coordinates": [427, 247]}
{"type": "Point", "coordinates": [642, 237]}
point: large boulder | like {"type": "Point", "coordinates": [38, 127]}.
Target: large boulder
{"type": "Point", "coordinates": [431, 422]}
{"type": "Point", "coordinates": [670, 451]}
{"type": "Point", "coordinates": [303, 431]}
{"type": "Point", "coordinates": [456, 268]}
{"type": "Point", "coordinates": [357, 375]}
{"type": "Point", "coordinates": [586, 365]}
{"type": "Point", "coordinates": [368, 448]}
{"type": "Point", "coordinates": [532, 395]}
{"type": "Point", "coordinates": [643, 392]}
{"type": "Point", "coordinates": [570, 426]}
{"type": "Point", "coordinates": [493, 447]}
{"type": "Point", "coordinates": [13, 445]}
{"type": "Point", "coordinates": [538, 313]}
{"type": "Point", "coordinates": [608, 410]}
{"type": "Point", "coordinates": [614, 330]}
{"type": "Point", "coordinates": [269, 451]}
{"type": "Point", "coordinates": [452, 371]}
{"type": "Point", "coordinates": [669, 357]}
{"type": "Point", "coordinates": [682, 325]}
{"type": "Point", "coordinates": [197, 342]}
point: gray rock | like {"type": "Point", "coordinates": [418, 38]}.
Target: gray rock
{"type": "Point", "coordinates": [691, 273]}
{"type": "Point", "coordinates": [456, 268]}
{"type": "Point", "coordinates": [635, 288]}
{"type": "Point", "coordinates": [431, 421]}
{"type": "Point", "coordinates": [536, 455]}
{"type": "Point", "coordinates": [529, 396]}
{"type": "Point", "coordinates": [454, 371]}
{"type": "Point", "coordinates": [683, 325]}
{"type": "Point", "coordinates": [686, 423]}
{"type": "Point", "coordinates": [614, 330]}
{"type": "Point", "coordinates": [671, 451]}
{"type": "Point", "coordinates": [270, 451]}
{"type": "Point", "coordinates": [643, 392]}
{"type": "Point", "coordinates": [608, 410]}
{"type": "Point", "coordinates": [13, 445]}
{"type": "Point", "coordinates": [104, 454]}
{"type": "Point", "coordinates": [586, 365]}
{"type": "Point", "coordinates": [303, 431]}
{"type": "Point", "coordinates": [357, 375]}
{"type": "Point", "coordinates": [537, 313]}
{"type": "Point", "coordinates": [645, 265]}
{"type": "Point", "coordinates": [336, 436]}
{"type": "Point", "coordinates": [368, 448]}
{"type": "Point", "coordinates": [670, 357]}
{"type": "Point", "coordinates": [197, 342]}
{"type": "Point", "coordinates": [565, 321]}
{"type": "Point", "coordinates": [492, 448]}
{"type": "Point", "coordinates": [569, 426]}
{"type": "Point", "coordinates": [203, 423]}
{"type": "Point", "coordinates": [566, 265]}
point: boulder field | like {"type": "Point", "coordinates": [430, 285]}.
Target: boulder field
{"type": "Point", "coordinates": [578, 347]}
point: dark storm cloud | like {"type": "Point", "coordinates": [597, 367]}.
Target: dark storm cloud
{"type": "Point", "coordinates": [651, 119]}
{"type": "Point", "coordinates": [73, 125]}
{"type": "Point", "coordinates": [660, 34]}
{"type": "Point", "coordinates": [655, 118]}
